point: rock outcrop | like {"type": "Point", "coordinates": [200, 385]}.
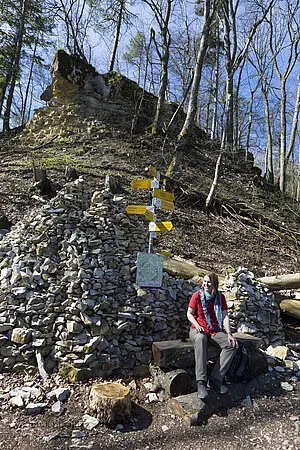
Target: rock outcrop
{"type": "Point", "coordinates": [82, 101]}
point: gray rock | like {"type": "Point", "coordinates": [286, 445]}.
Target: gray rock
{"type": "Point", "coordinates": [57, 408]}
{"type": "Point", "coordinates": [35, 408]}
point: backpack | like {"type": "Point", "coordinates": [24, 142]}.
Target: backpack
{"type": "Point", "coordinates": [240, 367]}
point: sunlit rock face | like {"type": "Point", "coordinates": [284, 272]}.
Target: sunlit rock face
{"type": "Point", "coordinates": [81, 103]}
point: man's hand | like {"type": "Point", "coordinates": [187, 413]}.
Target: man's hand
{"type": "Point", "coordinates": [232, 341]}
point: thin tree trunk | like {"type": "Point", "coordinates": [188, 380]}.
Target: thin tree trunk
{"type": "Point", "coordinates": [282, 157]}
{"type": "Point", "coordinates": [117, 37]}
{"type": "Point", "coordinates": [295, 122]}
{"type": "Point", "coordinates": [215, 182]}
{"type": "Point", "coordinates": [23, 112]}
{"type": "Point", "coordinates": [165, 56]}
{"type": "Point", "coordinates": [269, 149]}
{"type": "Point", "coordinates": [16, 67]}
{"type": "Point", "coordinates": [214, 125]}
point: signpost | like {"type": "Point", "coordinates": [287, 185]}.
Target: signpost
{"type": "Point", "coordinates": [149, 265]}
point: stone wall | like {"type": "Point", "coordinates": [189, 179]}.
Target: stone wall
{"type": "Point", "coordinates": [68, 292]}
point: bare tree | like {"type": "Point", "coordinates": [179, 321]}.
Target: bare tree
{"type": "Point", "coordinates": [284, 37]}
{"type": "Point", "coordinates": [236, 54]}
{"type": "Point", "coordinates": [208, 16]}
{"type": "Point", "coordinates": [162, 10]}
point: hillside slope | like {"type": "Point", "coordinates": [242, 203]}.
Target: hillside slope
{"type": "Point", "coordinates": [249, 225]}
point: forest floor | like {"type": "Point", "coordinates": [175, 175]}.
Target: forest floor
{"type": "Point", "coordinates": [250, 225]}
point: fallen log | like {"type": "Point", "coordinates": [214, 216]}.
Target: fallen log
{"type": "Point", "coordinates": [182, 269]}
{"type": "Point", "coordinates": [278, 282]}
{"type": "Point", "coordinates": [174, 383]}
{"type": "Point", "coordinates": [291, 308]}
{"type": "Point", "coordinates": [110, 402]}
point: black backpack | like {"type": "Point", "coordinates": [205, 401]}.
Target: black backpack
{"type": "Point", "coordinates": [240, 367]}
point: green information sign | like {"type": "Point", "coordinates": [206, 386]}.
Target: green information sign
{"type": "Point", "coordinates": [149, 270]}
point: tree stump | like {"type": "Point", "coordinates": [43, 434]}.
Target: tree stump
{"type": "Point", "coordinates": [110, 402]}
{"type": "Point", "coordinates": [42, 182]}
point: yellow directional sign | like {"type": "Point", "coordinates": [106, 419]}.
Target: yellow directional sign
{"type": "Point", "coordinates": [141, 184]}
{"type": "Point", "coordinates": [136, 209]}
{"type": "Point", "coordinates": [149, 215]}
{"type": "Point", "coordinates": [163, 226]}
{"type": "Point", "coordinates": [164, 195]}
{"type": "Point", "coordinates": [167, 205]}
{"type": "Point", "coordinates": [152, 171]}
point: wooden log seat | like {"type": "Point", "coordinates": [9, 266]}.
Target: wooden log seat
{"type": "Point", "coordinates": [178, 354]}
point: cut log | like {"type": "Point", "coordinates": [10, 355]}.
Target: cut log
{"type": "Point", "coordinates": [291, 308]}
{"type": "Point", "coordinates": [110, 402]}
{"type": "Point", "coordinates": [278, 282]}
{"type": "Point", "coordinates": [174, 383]}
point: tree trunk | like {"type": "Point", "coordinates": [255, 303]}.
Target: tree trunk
{"type": "Point", "coordinates": [295, 122]}
{"type": "Point", "coordinates": [214, 124]}
{"type": "Point", "coordinates": [117, 36]}
{"type": "Point", "coordinates": [269, 149]}
{"type": "Point", "coordinates": [214, 184]}
{"type": "Point", "coordinates": [282, 157]}
{"type": "Point", "coordinates": [16, 67]}
{"type": "Point", "coordinates": [291, 308]}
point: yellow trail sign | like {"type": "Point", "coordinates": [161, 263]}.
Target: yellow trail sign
{"type": "Point", "coordinates": [164, 195]}
{"type": "Point", "coordinates": [167, 205]}
{"type": "Point", "coordinates": [141, 184]}
{"type": "Point", "coordinates": [152, 171]}
{"type": "Point", "coordinates": [136, 209]}
{"type": "Point", "coordinates": [163, 226]}
{"type": "Point", "coordinates": [149, 215]}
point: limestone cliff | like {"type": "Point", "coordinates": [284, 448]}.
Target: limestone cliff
{"type": "Point", "coordinates": [80, 100]}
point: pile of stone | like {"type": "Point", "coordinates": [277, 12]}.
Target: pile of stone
{"type": "Point", "coordinates": [68, 298]}
{"type": "Point", "coordinates": [284, 361]}
{"type": "Point", "coordinates": [253, 308]}
{"type": "Point", "coordinates": [68, 293]}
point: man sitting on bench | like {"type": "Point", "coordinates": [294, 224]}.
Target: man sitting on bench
{"type": "Point", "coordinates": [207, 313]}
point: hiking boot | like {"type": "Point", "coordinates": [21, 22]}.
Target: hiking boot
{"type": "Point", "coordinates": [202, 389]}
{"type": "Point", "coordinates": [218, 386]}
